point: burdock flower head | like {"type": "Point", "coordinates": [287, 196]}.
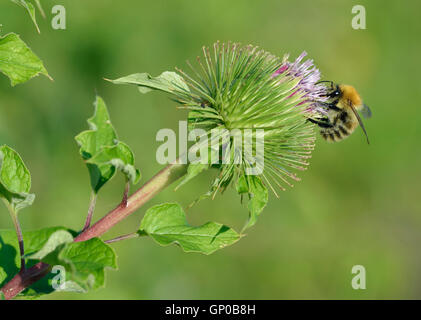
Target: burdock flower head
{"type": "Point", "coordinates": [247, 117]}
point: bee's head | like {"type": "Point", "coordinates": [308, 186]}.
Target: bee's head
{"type": "Point", "coordinates": [333, 90]}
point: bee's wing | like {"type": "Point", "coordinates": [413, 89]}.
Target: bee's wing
{"type": "Point", "coordinates": [359, 121]}
{"type": "Point", "coordinates": [365, 111]}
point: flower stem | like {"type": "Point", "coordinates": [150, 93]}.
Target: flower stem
{"type": "Point", "coordinates": [157, 183]}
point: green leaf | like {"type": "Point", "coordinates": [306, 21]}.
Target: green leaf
{"type": "Point", "coordinates": [30, 8]}
{"type": "Point", "coordinates": [167, 81]}
{"type": "Point", "coordinates": [55, 240]}
{"type": "Point", "coordinates": [120, 157]}
{"type": "Point", "coordinates": [102, 151]}
{"type": "Point", "coordinates": [10, 257]}
{"type": "Point", "coordinates": [84, 263]}
{"type": "Point", "coordinates": [258, 194]}
{"type": "Point", "coordinates": [17, 61]}
{"type": "Point", "coordinates": [166, 224]}
{"type": "Point", "coordinates": [15, 180]}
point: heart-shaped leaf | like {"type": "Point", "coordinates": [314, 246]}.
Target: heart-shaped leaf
{"type": "Point", "coordinates": [167, 224]}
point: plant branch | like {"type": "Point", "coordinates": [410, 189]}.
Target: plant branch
{"type": "Point", "coordinates": [24, 279]}
{"type": "Point", "coordinates": [151, 188]}
{"type": "Point", "coordinates": [156, 184]}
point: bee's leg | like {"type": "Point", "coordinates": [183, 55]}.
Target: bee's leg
{"type": "Point", "coordinates": [321, 124]}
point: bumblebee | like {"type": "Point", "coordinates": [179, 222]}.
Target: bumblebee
{"type": "Point", "coordinates": [341, 118]}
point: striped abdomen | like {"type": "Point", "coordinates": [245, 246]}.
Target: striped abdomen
{"type": "Point", "coordinates": [343, 125]}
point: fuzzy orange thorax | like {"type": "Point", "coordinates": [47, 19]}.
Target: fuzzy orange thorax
{"type": "Point", "coordinates": [351, 95]}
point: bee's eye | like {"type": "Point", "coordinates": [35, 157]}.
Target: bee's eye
{"type": "Point", "coordinates": [335, 93]}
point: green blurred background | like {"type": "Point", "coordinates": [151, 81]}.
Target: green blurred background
{"type": "Point", "coordinates": [356, 205]}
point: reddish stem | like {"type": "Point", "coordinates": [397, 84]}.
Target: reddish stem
{"type": "Point", "coordinates": [24, 279]}
{"type": "Point", "coordinates": [161, 180]}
